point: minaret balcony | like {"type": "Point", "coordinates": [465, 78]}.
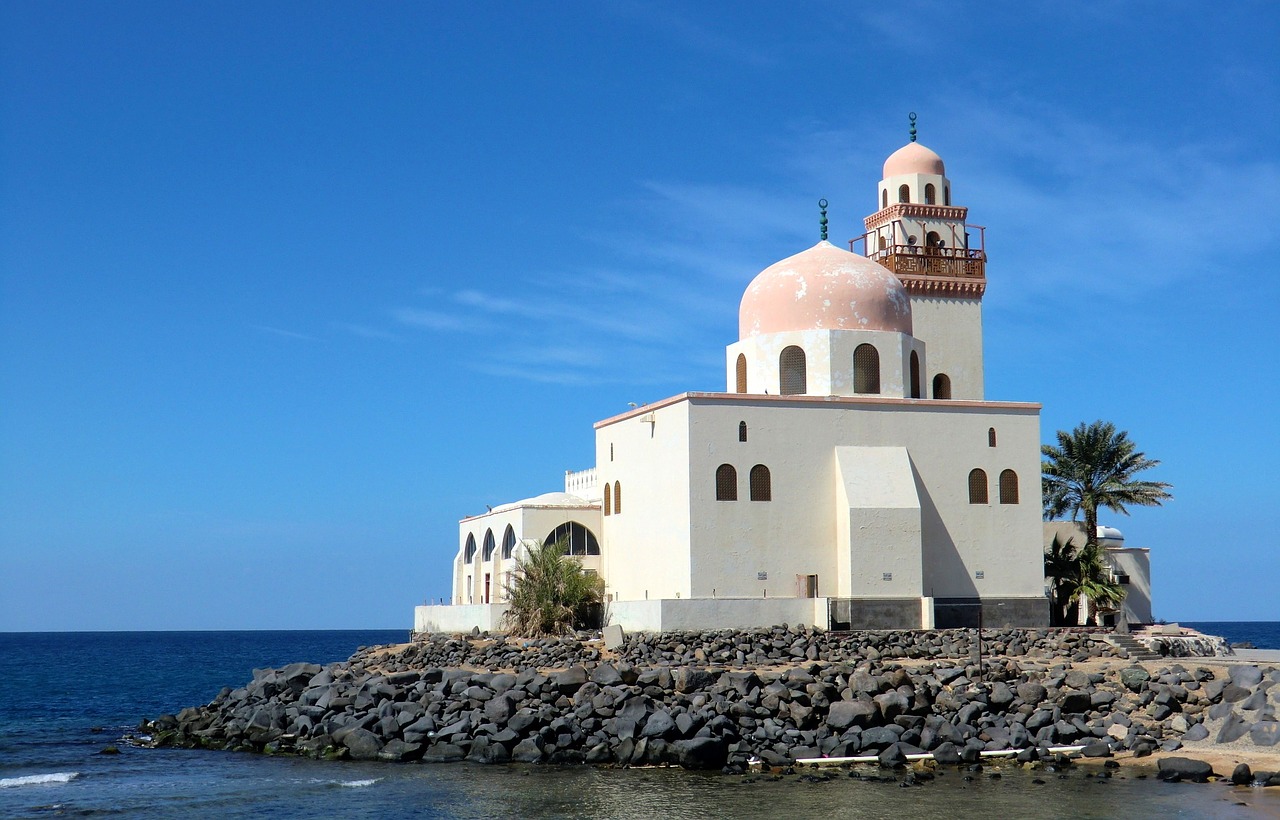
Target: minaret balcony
{"type": "Point", "coordinates": [940, 270]}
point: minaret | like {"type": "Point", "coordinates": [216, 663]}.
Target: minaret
{"type": "Point", "coordinates": [923, 238]}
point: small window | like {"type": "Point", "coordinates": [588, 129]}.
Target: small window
{"type": "Point", "coordinates": [508, 542]}
{"type": "Point", "coordinates": [1008, 487]}
{"type": "Point", "coordinates": [617, 498]}
{"type": "Point", "coordinates": [883, 243]}
{"type": "Point", "coordinates": [946, 195]}
{"type": "Point", "coordinates": [469, 554]}
{"type": "Point", "coordinates": [741, 368]}
{"type": "Point", "coordinates": [977, 487]}
{"type": "Point", "coordinates": [489, 545]}
{"type": "Point", "coordinates": [915, 375]}
{"type": "Point", "coordinates": [611, 451]}
{"type": "Point", "coordinates": [726, 483]}
{"type": "Point", "coordinates": [742, 431]}
{"type": "Point", "coordinates": [979, 575]}
{"type": "Point", "coordinates": [608, 499]}
{"type": "Point", "coordinates": [866, 369]}
{"type": "Point", "coordinates": [991, 437]}
{"type": "Point", "coordinates": [884, 198]}
{"type": "Point", "coordinates": [930, 194]}
{"type": "Point", "coordinates": [1122, 579]}
{"type": "Point", "coordinates": [904, 193]}
{"type": "Point", "coordinates": [793, 379]}
{"type": "Point", "coordinates": [932, 240]}
{"type": "Point", "coordinates": [761, 484]}
{"type": "Point", "coordinates": [886, 576]}
{"type": "Point", "coordinates": [941, 386]}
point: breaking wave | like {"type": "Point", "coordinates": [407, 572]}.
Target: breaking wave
{"type": "Point", "coordinates": [37, 779]}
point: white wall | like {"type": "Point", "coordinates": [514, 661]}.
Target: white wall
{"type": "Point", "coordinates": [828, 360]}
{"type": "Point", "coordinates": [458, 618]}
{"type": "Point", "coordinates": [717, 613]}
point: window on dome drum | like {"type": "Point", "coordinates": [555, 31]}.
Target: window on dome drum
{"type": "Point", "coordinates": [608, 499]}
{"type": "Point", "coordinates": [578, 540]}
{"type": "Point", "coordinates": [866, 369]}
{"type": "Point", "coordinates": [742, 431]}
{"type": "Point", "coordinates": [904, 193]}
{"type": "Point", "coordinates": [977, 487]}
{"type": "Point", "coordinates": [741, 368]}
{"type": "Point", "coordinates": [946, 195]}
{"type": "Point", "coordinates": [942, 386]}
{"type": "Point", "coordinates": [489, 545]}
{"type": "Point", "coordinates": [617, 497]}
{"type": "Point", "coordinates": [761, 484]}
{"type": "Point", "coordinates": [1008, 487]}
{"type": "Point", "coordinates": [469, 554]}
{"type": "Point", "coordinates": [991, 437]}
{"type": "Point", "coordinates": [726, 483]}
{"type": "Point", "coordinates": [930, 194]}
{"type": "Point", "coordinates": [915, 375]}
{"type": "Point", "coordinates": [508, 543]}
{"type": "Point", "coordinates": [884, 198]}
{"type": "Point", "coordinates": [793, 378]}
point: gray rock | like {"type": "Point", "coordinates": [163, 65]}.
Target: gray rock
{"type": "Point", "coordinates": [1242, 775]}
{"type": "Point", "coordinates": [1098, 748]}
{"type": "Point", "coordinates": [570, 680]}
{"type": "Point", "coordinates": [947, 753]}
{"type": "Point", "coordinates": [1184, 768]}
{"type": "Point", "coordinates": [1233, 728]}
{"type": "Point", "coordinates": [397, 751]}
{"type": "Point", "coordinates": [1246, 677]}
{"type": "Point", "coordinates": [892, 757]}
{"type": "Point", "coordinates": [1075, 702]}
{"type": "Point", "coordinates": [701, 752]}
{"type": "Point", "coordinates": [659, 724]}
{"type": "Point", "coordinates": [362, 744]}
{"type": "Point", "coordinates": [1032, 693]}
{"type": "Point", "coordinates": [1265, 733]}
{"type": "Point", "coordinates": [848, 713]}
{"type": "Point", "coordinates": [1134, 678]}
{"type": "Point", "coordinates": [528, 750]}
{"type": "Point", "coordinates": [1234, 694]}
{"type": "Point", "coordinates": [1197, 732]}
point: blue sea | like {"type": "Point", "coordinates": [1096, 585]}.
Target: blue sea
{"type": "Point", "coordinates": [66, 696]}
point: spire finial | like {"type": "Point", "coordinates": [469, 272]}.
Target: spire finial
{"type": "Point", "coordinates": [822, 218]}
{"type": "Point", "coordinates": [913, 126]}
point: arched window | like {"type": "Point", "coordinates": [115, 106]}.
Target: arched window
{"type": "Point", "coordinates": [932, 240]}
{"type": "Point", "coordinates": [742, 431]}
{"type": "Point", "coordinates": [884, 198]}
{"type": "Point", "coordinates": [946, 195]}
{"type": "Point", "coordinates": [469, 554]}
{"type": "Point", "coordinates": [761, 484]}
{"type": "Point", "coordinates": [883, 244]}
{"type": "Point", "coordinates": [941, 386]}
{"type": "Point", "coordinates": [608, 499]}
{"type": "Point", "coordinates": [977, 487]}
{"type": "Point", "coordinates": [741, 368]}
{"type": "Point", "coordinates": [489, 545]}
{"type": "Point", "coordinates": [577, 539]}
{"type": "Point", "coordinates": [904, 193]}
{"type": "Point", "coordinates": [508, 543]}
{"type": "Point", "coordinates": [915, 375]}
{"type": "Point", "coordinates": [991, 437]}
{"type": "Point", "coordinates": [930, 194]}
{"type": "Point", "coordinates": [866, 369]}
{"type": "Point", "coordinates": [791, 365]}
{"type": "Point", "coordinates": [726, 483]}
{"type": "Point", "coordinates": [617, 497]}
{"type": "Point", "coordinates": [1008, 487]}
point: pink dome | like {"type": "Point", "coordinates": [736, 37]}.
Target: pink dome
{"type": "Point", "coordinates": [913, 158]}
{"type": "Point", "coordinates": [824, 288]}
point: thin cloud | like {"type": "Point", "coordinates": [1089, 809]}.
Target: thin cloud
{"type": "Point", "coordinates": [288, 334]}
{"type": "Point", "coordinates": [431, 319]}
{"type": "Point", "coordinates": [365, 331]}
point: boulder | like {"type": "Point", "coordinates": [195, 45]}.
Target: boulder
{"type": "Point", "coordinates": [1075, 702]}
{"type": "Point", "coordinates": [1134, 678]}
{"type": "Point", "coordinates": [947, 753]}
{"type": "Point", "coordinates": [570, 680]}
{"type": "Point", "coordinates": [892, 757]}
{"type": "Point", "coordinates": [1184, 768]}
{"type": "Point", "coordinates": [362, 744]}
{"type": "Point", "coordinates": [1032, 693]}
{"type": "Point", "coordinates": [1246, 677]}
{"type": "Point", "coordinates": [846, 713]}
{"type": "Point", "coordinates": [659, 724]}
{"type": "Point", "coordinates": [1265, 733]}
{"type": "Point", "coordinates": [1242, 775]}
{"type": "Point", "coordinates": [701, 753]}
{"type": "Point", "coordinates": [1196, 732]}
{"type": "Point", "coordinates": [1098, 748]}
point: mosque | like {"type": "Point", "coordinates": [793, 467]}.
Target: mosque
{"type": "Point", "coordinates": [851, 474]}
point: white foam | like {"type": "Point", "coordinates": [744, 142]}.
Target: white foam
{"type": "Point", "coordinates": [37, 779]}
{"type": "Point", "coordinates": [347, 784]}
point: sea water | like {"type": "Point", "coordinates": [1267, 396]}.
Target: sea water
{"type": "Point", "coordinates": [67, 696]}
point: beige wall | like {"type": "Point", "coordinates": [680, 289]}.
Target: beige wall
{"type": "Point", "coordinates": [952, 331]}
{"type": "Point", "coordinates": [828, 359]}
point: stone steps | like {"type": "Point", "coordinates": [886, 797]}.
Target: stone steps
{"type": "Point", "coordinates": [1136, 650]}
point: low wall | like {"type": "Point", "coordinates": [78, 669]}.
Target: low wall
{"type": "Point", "coordinates": [697, 614]}
{"type": "Point", "coordinates": [458, 617]}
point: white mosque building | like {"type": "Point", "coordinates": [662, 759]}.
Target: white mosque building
{"type": "Point", "coordinates": [851, 474]}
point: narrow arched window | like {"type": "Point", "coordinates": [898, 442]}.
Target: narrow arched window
{"type": "Point", "coordinates": [469, 554]}
{"type": "Point", "coordinates": [741, 368]}
{"type": "Point", "coordinates": [977, 487]}
{"type": "Point", "coordinates": [574, 538]}
{"type": "Point", "coordinates": [991, 437]}
{"type": "Point", "coordinates": [617, 497]}
{"type": "Point", "coordinates": [930, 194]}
{"type": "Point", "coordinates": [904, 193]}
{"type": "Point", "coordinates": [884, 198]}
{"type": "Point", "coordinates": [946, 195]}
{"type": "Point", "coordinates": [489, 545]}
{"type": "Point", "coordinates": [941, 386]}
{"type": "Point", "coordinates": [915, 375]}
{"type": "Point", "coordinates": [791, 366]}
{"type": "Point", "coordinates": [1008, 487]}
{"type": "Point", "coordinates": [508, 542]}
{"type": "Point", "coordinates": [932, 239]}
{"type": "Point", "coordinates": [726, 483]}
{"type": "Point", "coordinates": [866, 369]}
{"type": "Point", "coordinates": [742, 431]}
{"type": "Point", "coordinates": [608, 499]}
{"type": "Point", "coordinates": [883, 243]}
{"type": "Point", "coordinates": [761, 484]}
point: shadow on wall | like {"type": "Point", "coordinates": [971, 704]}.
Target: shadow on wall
{"type": "Point", "coordinates": [942, 561]}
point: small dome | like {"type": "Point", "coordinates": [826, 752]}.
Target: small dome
{"type": "Point", "coordinates": [824, 288]}
{"type": "Point", "coordinates": [1110, 536]}
{"type": "Point", "coordinates": [554, 499]}
{"type": "Point", "coordinates": [913, 158]}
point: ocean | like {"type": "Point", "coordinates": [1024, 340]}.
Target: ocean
{"type": "Point", "coordinates": [67, 696]}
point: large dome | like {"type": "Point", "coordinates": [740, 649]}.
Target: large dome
{"type": "Point", "coordinates": [913, 158]}
{"type": "Point", "coordinates": [824, 288]}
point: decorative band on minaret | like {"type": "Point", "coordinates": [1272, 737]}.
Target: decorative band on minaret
{"type": "Point", "coordinates": [822, 218]}
{"type": "Point", "coordinates": [913, 126]}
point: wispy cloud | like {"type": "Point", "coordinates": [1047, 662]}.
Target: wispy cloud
{"type": "Point", "coordinates": [431, 319]}
{"type": "Point", "coordinates": [288, 334]}
{"type": "Point", "coordinates": [365, 331]}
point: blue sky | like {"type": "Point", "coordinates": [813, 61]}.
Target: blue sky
{"type": "Point", "coordinates": [287, 289]}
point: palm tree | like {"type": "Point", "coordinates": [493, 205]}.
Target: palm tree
{"type": "Point", "coordinates": [1093, 468]}
{"type": "Point", "coordinates": [1079, 578]}
{"type": "Point", "coordinates": [549, 592]}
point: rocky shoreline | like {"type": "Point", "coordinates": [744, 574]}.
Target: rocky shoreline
{"type": "Point", "coordinates": [772, 698]}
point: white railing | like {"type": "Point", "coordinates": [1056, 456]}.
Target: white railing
{"type": "Point", "coordinates": [581, 482]}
